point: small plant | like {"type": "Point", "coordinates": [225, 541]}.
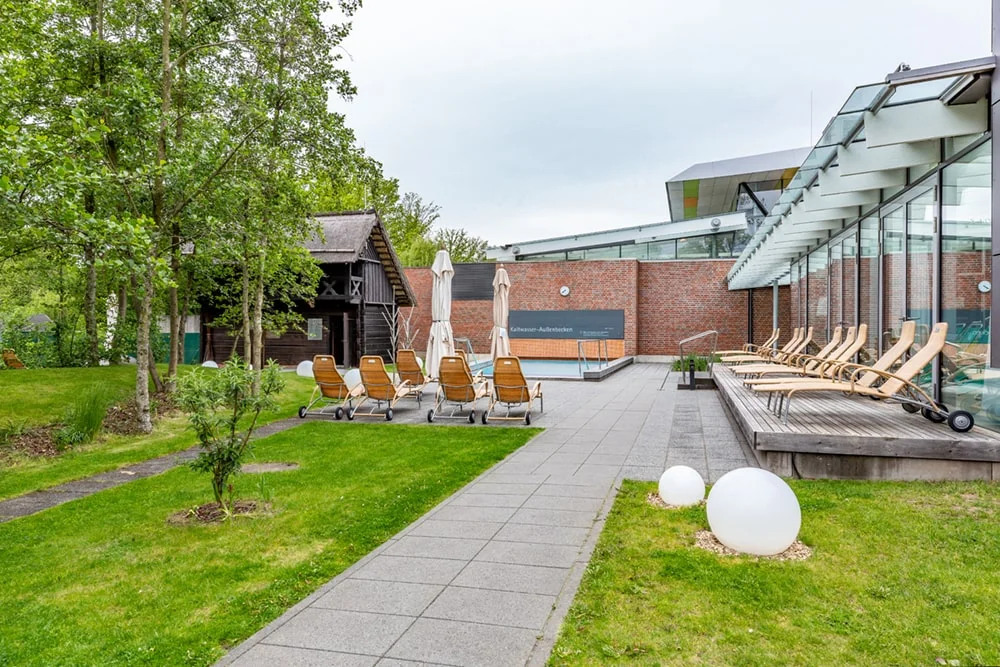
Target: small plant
{"type": "Point", "coordinates": [84, 418]}
{"type": "Point", "coordinates": [12, 429]}
{"type": "Point", "coordinates": [217, 402]}
{"type": "Point", "coordinates": [700, 363]}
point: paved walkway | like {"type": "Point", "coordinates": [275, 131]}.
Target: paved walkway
{"type": "Point", "coordinates": [486, 577]}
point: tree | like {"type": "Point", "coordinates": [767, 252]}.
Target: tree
{"type": "Point", "coordinates": [461, 245]}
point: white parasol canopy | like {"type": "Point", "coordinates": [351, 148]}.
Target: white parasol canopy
{"type": "Point", "coordinates": [499, 340]}
{"type": "Point", "coordinates": [441, 342]}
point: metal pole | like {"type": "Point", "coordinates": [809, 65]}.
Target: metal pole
{"type": "Point", "coordinates": [995, 196]}
{"type": "Point", "coordinates": [774, 305]}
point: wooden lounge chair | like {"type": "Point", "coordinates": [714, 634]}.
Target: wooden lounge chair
{"type": "Point", "coordinates": [895, 386]}
{"type": "Point", "coordinates": [793, 362]}
{"type": "Point", "coordinates": [797, 344]}
{"type": "Point", "coordinates": [750, 347]}
{"type": "Point", "coordinates": [457, 388]}
{"type": "Point", "coordinates": [817, 367]}
{"type": "Point", "coordinates": [409, 369]}
{"type": "Point", "coordinates": [10, 359]}
{"type": "Point", "coordinates": [379, 388]}
{"type": "Point", "coordinates": [330, 390]}
{"type": "Point", "coordinates": [510, 390]}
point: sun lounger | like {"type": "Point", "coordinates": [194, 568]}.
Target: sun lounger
{"type": "Point", "coordinates": [796, 361]}
{"type": "Point", "coordinates": [457, 389]}
{"type": "Point", "coordinates": [510, 390]}
{"type": "Point", "coordinates": [10, 359]}
{"type": "Point", "coordinates": [797, 344]}
{"type": "Point", "coordinates": [896, 386]}
{"type": "Point", "coordinates": [331, 391]}
{"type": "Point", "coordinates": [817, 367]}
{"type": "Point", "coordinates": [379, 390]}
{"type": "Point", "coordinates": [407, 368]}
{"type": "Point", "coordinates": [750, 347]}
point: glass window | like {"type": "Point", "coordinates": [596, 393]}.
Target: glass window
{"type": "Point", "coordinates": [740, 241]}
{"type": "Point", "coordinates": [920, 266]}
{"type": "Point", "coordinates": [609, 252]}
{"type": "Point", "coordinates": [697, 247]}
{"type": "Point", "coordinates": [868, 267]}
{"type": "Point", "coordinates": [966, 383]}
{"type": "Point", "coordinates": [849, 301]}
{"type": "Point", "coordinates": [574, 254]}
{"type": "Point", "coordinates": [893, 275]}
{"type": "Point", "coordinates": [724, 244]}
{"type": "Point", "coordinates": [794, 294]}
{"type": "Point", "coordinates": [636, 251]}
{"type": "Point", "coordinates": [663, 249]}
{"type": "Point", "coordinates": [818, 307]}
{"type": "Point", "coordinates": [836, 284]}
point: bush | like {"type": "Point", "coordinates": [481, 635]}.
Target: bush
{"type": "Point", "coordinates": [700, 363]}
{"type": "Point", "coordinates": [217, 402]}
{"type": "Point", "coordinates": [84, 418]}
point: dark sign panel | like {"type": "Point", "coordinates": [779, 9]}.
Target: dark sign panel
{"type": "Point", "coordinates": [572, 324]}
{"type": "Point", "coordinates": [473, 282]}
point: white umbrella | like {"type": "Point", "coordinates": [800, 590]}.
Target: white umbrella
{"type": "Point", "coordinates": [499, 341]}
{"type": "Point", "coordinates": [441, 342]}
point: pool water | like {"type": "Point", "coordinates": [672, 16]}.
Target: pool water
{"type": "Point", "coordinates": [546, 368]}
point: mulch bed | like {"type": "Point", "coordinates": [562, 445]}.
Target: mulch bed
{"type": "Point", "coordinates": [36, 442]}
{"type": "Point", "coordinates": [123, 418]}
{"type": "Point", "coordinates": [213, 512]}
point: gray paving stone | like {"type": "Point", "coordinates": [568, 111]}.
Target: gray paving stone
{"type": "Point", "coordinates": [510, 577]}
{"type": "Point", "coordinates": [523, 553]}
{"type": "Point", "coordinates": [457, 513]}
{"type": "Point", "coordinates": [573, 490]}
{"type": "Point", "coordinates": [588, 436]}
{"type": "Point", "coordinates": [380, 597]}
{"type": "Point", "coordinates": [557, 468]}
{"type": "Point", "coordinates": [523, 532]}
{"type": "Point", "coordinates": [507, 488]}
{"type": "Point", "coordinates": [554, 518]}
{"type": "Point", "coordinates": [266, 655]}
{"type": "Point", "coordinates": [458, 643]}
{"type": "Point", "coordinates": [502, 478]}
{"type": "Point", "coordinates": [563, 503]}
{"type": "Point", "coordinates": [514, 468]}
{"type": "Point", "coordinates": [643, 473]}
{"type": "Point", "coordinates": [477, 605]}
{"type": "Point", "coordinates": [606, 459]}
{"type": "Point", "coordinates": [347, 631]}
{"type": "Point", "coordinates": [598, 471]}
{"type": "Point", "coordinates": [435, 547]}
{"type": "Point", "coordinates": [489, 500]}
{"type": "Point", "coordinates": [482, 530]}
{"type": "Point", "coordinates": [414, 570]}
{"type": "Point", "coordinates": [395, 662]}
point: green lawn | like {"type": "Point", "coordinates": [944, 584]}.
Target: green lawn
{"type": "Point", "coordinates": [105, 580]}
{"type": "Point", "coordinates": [901, 574]}
{"type": "Point", "coordinates": [41, 396]}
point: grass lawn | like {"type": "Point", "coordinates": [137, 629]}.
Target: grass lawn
{"type": "Point", "coordinates": [105, 580]}
{"type": "Point", "coordinates": [901, 574]}
{"type": "Point", "coordinates": [41, 397]}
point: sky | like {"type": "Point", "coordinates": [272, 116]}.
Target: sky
{"type": "Point", "coordinates": [526, 119]}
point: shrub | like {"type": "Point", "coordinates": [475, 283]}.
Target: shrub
{"type": "Point", "coordinates": [700, 363]}
{"type": "Point", "coordinates": [217, 402]}
{"type": "Point", "coordinates": [84, 418]}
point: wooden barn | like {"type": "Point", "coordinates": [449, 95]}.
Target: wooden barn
{"type": "Point", "coordinates": [362, 284]}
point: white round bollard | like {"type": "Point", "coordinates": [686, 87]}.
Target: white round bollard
{"type": "Point", "coordinates": [304, 369]}
{"type": "Point", "coordinates": [681, 486]}
{"type": "Point", "coordinates": [209, 364]}
{"type": "Point", "coordinates": [754, 511]}
{"type": "Point", "coordinates": [352, 378]}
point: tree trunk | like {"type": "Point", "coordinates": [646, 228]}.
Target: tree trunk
{"type": "Point", "coordinates": [142, 353]}
{"type": "Point", "coordinates": [185, 307]}
{"type": "Point", "coordinates": [247, 337]}
{"type": "Point", "coordinates": [176, 341]}
{"type": "Point", "coordinates": [90, 306]}
{"type": "Point", "coordinates": [258, 329]}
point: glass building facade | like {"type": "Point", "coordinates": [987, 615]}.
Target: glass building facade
{"type": "Point", "coordinates": [706, 246]}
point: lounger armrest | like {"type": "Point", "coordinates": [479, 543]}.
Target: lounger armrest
{"type": "Point", "coordinates": [404, 388]}
{"type": "Point", "coordinates": [886, 375]}
{"type": "Point", "coordinates": [536, 390]}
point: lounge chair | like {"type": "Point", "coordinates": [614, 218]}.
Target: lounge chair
{"type": "Point", "coordinates": [814, 366]}
{"type": "Point", "coordinates": [750, 347]}
{"type": "Point", "coordinates": [10, 359]}
{"type": "Point", "coordinates": [798, 343]}
{"type": "Point", "coordinates": [407, 368]}
{"type": "Point", "coordinates": [796, 361]}
{"type": "Point", "coordinates": [511, 390]}
{"type": "Point", "coordinates": [330, 390]}
{"type": "Point", "coordinates": [895, 386]}
{"type": "Point", "coordinates": [457, 388]}
{"type": "Point", "coordinates": [379, 388]}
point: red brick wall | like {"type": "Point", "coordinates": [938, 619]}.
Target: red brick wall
{"type": "Point", "coordinates": [763, 300]}
{"type": "Point", "coordinates": [664, 302]}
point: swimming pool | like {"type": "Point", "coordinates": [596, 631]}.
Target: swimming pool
{"type": "Point", "coordinates": [546, 368]}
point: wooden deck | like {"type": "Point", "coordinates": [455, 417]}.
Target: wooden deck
{"type": "Point", "coordinates": [831, 435]}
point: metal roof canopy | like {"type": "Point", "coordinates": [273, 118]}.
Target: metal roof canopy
{"type": "Point", "coordinates": [881, 130]}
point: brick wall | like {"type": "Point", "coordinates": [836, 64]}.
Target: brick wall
{"type": "Point", "coordinates": [763, 300]}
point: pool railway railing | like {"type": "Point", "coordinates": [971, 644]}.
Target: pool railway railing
{"type": "Point", "coordinates": [713, 336]}
{"type": "Point", "coordinates": [581, 353]}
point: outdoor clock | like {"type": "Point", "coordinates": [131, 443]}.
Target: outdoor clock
{"type": "Point", "coordinates": [564, 290]}
{"type": "Point", "coordinates": [985, 286]}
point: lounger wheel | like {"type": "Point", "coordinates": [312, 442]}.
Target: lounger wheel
{"type": "Point", "coordinates": [350, 414]}
{"type": "Point", "coordinates": [911, 408]}
{"type": "Point", "coordinates": [338, 414]}
{"type": "Point", "coordinates": [388, 414]}
{"type": "Point", "coordinates": [485, 417]}
{"type": "Point", "coordinates": [430, 416]}
{"type": "Point", "coordinates": [302, 412]}
{"type": "Point", "coordinates": [961, 421]}
{"type": "Point", "coordinates": [472, 417]}
{"type": "Point", "coordinates": [527, 419]}
{"type": "Point", "coordinates": [933, 415]}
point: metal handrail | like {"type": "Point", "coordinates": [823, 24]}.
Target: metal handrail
{"type": "Point", "coordinates": [711, 356]}
{"type": "Point", "coordinates": [581, 355]}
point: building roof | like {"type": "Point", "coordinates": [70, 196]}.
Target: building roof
{"type": "Point", "coordinates": [712, 188]}
{"type": "Point", "coordinates": [344, 237]}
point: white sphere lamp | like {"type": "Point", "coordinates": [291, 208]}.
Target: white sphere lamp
{"type": "Point", "coordinates": [304, 369]}
{"type": "Point", "coordinates": [754, 511]}
{"type": "Point", "coordinates": [352, 378]}
{"type": "Point", "coordinates": [209, 364]}
{"type": "Point", "coordinates": [681, 486]}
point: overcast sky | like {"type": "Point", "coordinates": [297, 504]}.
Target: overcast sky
{"type": "Point", "coordinates": [526, 119]}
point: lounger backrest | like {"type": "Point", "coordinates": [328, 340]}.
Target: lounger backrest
{"type": "Point", "coordinates": [408, 368]}
{"type": "Point", "coordinates": [455, 380]}
{"type": "Point", "coordinates": [850, 348]}
{"type": "Point", "coordinates": [378, 384]}
{"type": "Point", "coordinates": [832, 345]}
{"type": "Point", "coordinates": [508, 381]}
{"type": "Point", "coordinates": [803, 342]}
{"type": "Point", "coordinates": [329, 380]}
{"type": "Point", "coordinates": [916, 363]}
{"type": "Point", "coordinates": [797, 334]}
{"type": "Point", "coordinates": [10, 359]}
{"type": "Point", "coordinates": [907, 334]}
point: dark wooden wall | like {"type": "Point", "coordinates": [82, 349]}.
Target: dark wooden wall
{"type": "Point", "coordinates": [377, 332]}
{"type": "Point", "coordinates": [377, 287]}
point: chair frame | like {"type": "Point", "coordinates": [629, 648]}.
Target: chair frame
{"type": "Point", "coordinates": [342, 394]}
{"type": "Point", "coordinates": [409, 370]}
{"type": "Point", "coordinates": [11, 361]}
{"type": "Point", "coordinates": [526, 395]}
{"type": "Point", "coordinates": [381, 392]}
{"type": "Point", "coordinates": [448, 394]}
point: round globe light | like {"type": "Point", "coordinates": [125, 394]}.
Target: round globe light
{"type": "Point", "coordinates": [304, 369]}
{"type": "Point", "coordinates": [754, 511]}
{"type": "Point", "coordinates": [209, 364]}
{"type": "Point", "coordinates": [420, 363]}
{"type": "Point", "coordinates": [352, 378]}
{"type": "Point", "coordinates": [681, 486]}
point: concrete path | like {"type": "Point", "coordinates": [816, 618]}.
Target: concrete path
{"type": "Point", "coordinates": [486, 577]}
{"type": "Point", "coordinates": [36, 501]}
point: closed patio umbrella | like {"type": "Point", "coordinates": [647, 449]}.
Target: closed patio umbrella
{"type": "Point", "coordinates": [499, 340]}
{"type": "Point", "coordinates": [441, 342]}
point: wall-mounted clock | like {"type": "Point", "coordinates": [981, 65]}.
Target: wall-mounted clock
{"type": "Point", "coordinates": [564, 290]}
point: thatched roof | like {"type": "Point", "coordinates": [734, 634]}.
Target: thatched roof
{"type": "Point", "coordinates": [344, 237]}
